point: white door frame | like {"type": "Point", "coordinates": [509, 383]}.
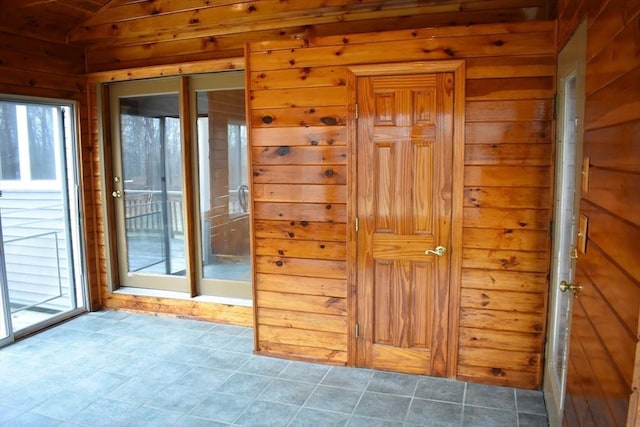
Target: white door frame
{"type": "Point", "coordinates": [570, 130]}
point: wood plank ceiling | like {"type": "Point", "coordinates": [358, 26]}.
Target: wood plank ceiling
{"type": "Point", "coordinates": [129, 33]}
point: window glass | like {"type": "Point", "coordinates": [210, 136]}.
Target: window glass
{"type": "Point", "coordinates": [41, 142]}
{"type": "Point", "coordinates": [9, 153]}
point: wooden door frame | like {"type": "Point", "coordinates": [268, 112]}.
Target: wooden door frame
{"type": "Point", "coordinates": [457, 67]}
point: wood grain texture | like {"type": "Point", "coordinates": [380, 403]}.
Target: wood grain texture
{"type": "Point", "coordinates": [507, 197]}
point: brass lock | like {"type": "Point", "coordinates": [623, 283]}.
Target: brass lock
{"type": "Point", "coordinates": [565, 286]}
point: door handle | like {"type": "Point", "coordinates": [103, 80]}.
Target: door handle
{"type": "Point", "coordinates": [566, 286]}
{"type": "Point", "coordinates": [116, 194]}
{"type": "Point", "coordinates": [439, 251]}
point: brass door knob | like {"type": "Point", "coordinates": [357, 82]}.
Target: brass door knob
{"type": "Point", "coordinates": [565, 286]}
{"type": "Point", "coordinates": [439, 251]}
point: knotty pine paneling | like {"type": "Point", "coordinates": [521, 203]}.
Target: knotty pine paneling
{"type": "Point", "coordinates": [298, 108]}
{"type": "Point", "coordinates": [131, 34]}
{"type": "Point", "coordinates": [604, 351]}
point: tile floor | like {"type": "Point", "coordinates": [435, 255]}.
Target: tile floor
{"type": "Point", "coordinates": [123, 369]}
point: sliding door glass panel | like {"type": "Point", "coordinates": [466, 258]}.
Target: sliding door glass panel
{"type": "Point", "coordinates": [41, 258]}
{"type": "Point", "coordinates": [223, 185]}
{"type": "Point", "coordinates": [148, 188]}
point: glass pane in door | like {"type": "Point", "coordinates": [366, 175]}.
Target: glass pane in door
{"type": "Point", "coordinates": [224, 191]}
{"type": "Point", "coordinates": [38, 232]}
{"type": "Point", "coordinates": [151, 151]}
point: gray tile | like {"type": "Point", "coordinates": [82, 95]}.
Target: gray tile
{"type": "Point", "coordinates": [267, 366]}
{"type": "Point", "coordinates": [64, 405]}
{"type": "Point", "coordinates": [357, 421]}
{"type": "Point", "coordinates": [191, 421]}
{"type": "Point", "coordinates": [531, 402]}
{"type": "Point", "coordinates": [221, 407]}
{"type": "Point", "coordinates": [88, 323]}
{"type": "Point", "coordinates": [192, 355]}
{"type": "Point", "coordinates": [136, 390]}
{"type": "Point", "coordinates": [113, 314]}
{"type": "Point", "coordinates": [284, 391]}
{"type": "Point", "coordinates": [124, 344]}
{"type": "Point", "coordinates": [348, 377]}
{"type": "Point", "coordinates": [434, 413]}
{"type": "Point", "coordinates": [182, 336]}
{"type": "Point", "coordinates": [301, 371]}
{"type": "Point", "coordinates": [267, 414]}
{"type": "Point", "coordinates": [163, 371]}
{"type": "Point", "coordinates": [227, 360]}
{"type": "Point", "coordinates": [29, 419]}
{"type": "Point", "coordinates": [532, 420]}
{"type": "Point", "coordinates": [151, 417]}
{"type": "Point", "coordinates": [204, 378]}
{"type": "Point", "coordinates": [196, 325]}
{"type": "Point", "coordinates": [177, 398]}
{"type": "Point", "coordinates": [440, 389]}
{"type": "Point", "coordinates": [241, 344]}
{"type": "Point", "coordinates": [213, 340]}
{"type": "Point", "coordinates": [98, 384]}
{"type": "Point", "coordinates": [334, 399]}
{"type": "Point", "coordinates": [7, 413]}
{"type": "Point", "coordinates": [126, 364]}
{"type": "Point", "coordinates": [157, 350]}
{"type": "Point", "coordinates": [104, 412]}
{"type": "Point", "coordinates": [228, 329]}
{"type": "Point", "coordinates": [245, 385]}
{"type": "Point", "coordinates": [385, 406]}
{"type": "Point", "coordinates": [490, 397]}
{"type": "Point", "coordinates": [392, 383]}
{"type": "Point", "coordinates": [313, 418]}
{"type": "Point", "coordinates": [30, 395]}
{"type": "Point", "coordinates": [488, 417]}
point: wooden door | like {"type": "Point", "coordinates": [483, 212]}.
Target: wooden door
{"type": "Point", "coordinates": [404, 176]}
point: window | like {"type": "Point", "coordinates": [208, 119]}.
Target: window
{"type": "Point", "coordinates": [238, 189]}
{"type": "Point", "coordinates": [30, 138]}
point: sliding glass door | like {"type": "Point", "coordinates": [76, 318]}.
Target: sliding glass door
{"type": "Point", "coordinates": [162, 244]}
{"type": "Point", "coordinates": [40, 251]}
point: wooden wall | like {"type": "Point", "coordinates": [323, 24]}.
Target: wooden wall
{"type": "Point", "coordinates": [604, 336]}
{"type": "Point", "coordinates": [126, 34]}
{"type": "Point", "coordinates": [298, 107]}
{"type": "Point", "coordinates": [33, 67]}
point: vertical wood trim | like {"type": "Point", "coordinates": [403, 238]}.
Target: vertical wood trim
{"type": "Point", "coordinates": [457, 202]}
{"type": "Point", "coordinates": [251, 201]}
{"type": "Point", "coordinates": [89, 190]}
{"type": "Point", "coordinates": [187, 182]}
{"type": "Point", "coordinates": [113, 272]}
{"type": "Point", "coordinates": [352, 235]}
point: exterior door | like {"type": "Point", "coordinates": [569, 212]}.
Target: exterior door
{"type": "Point", "coordinates": [404, 187]}
{"type": "Point", "coordinates": [565, 230]}
{"type": "Point", "coordinates": [147, 186]}
{"type": "Point", "coordinates": [41, 262]}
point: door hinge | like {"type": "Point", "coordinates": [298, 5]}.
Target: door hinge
{"type": "Point", "coordinates": [555, 106]}
{"type": "Point", "coordinates": [357, 111]}
{"type": "Point", "coordinates": [357, 224]}
{"type": "Point", "coordinates": [357, 330]}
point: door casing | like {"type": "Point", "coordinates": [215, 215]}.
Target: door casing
{"type": "Point", "coordinates": [571, 62]}
{"type": "Point", "coordinates": [457, 67]}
